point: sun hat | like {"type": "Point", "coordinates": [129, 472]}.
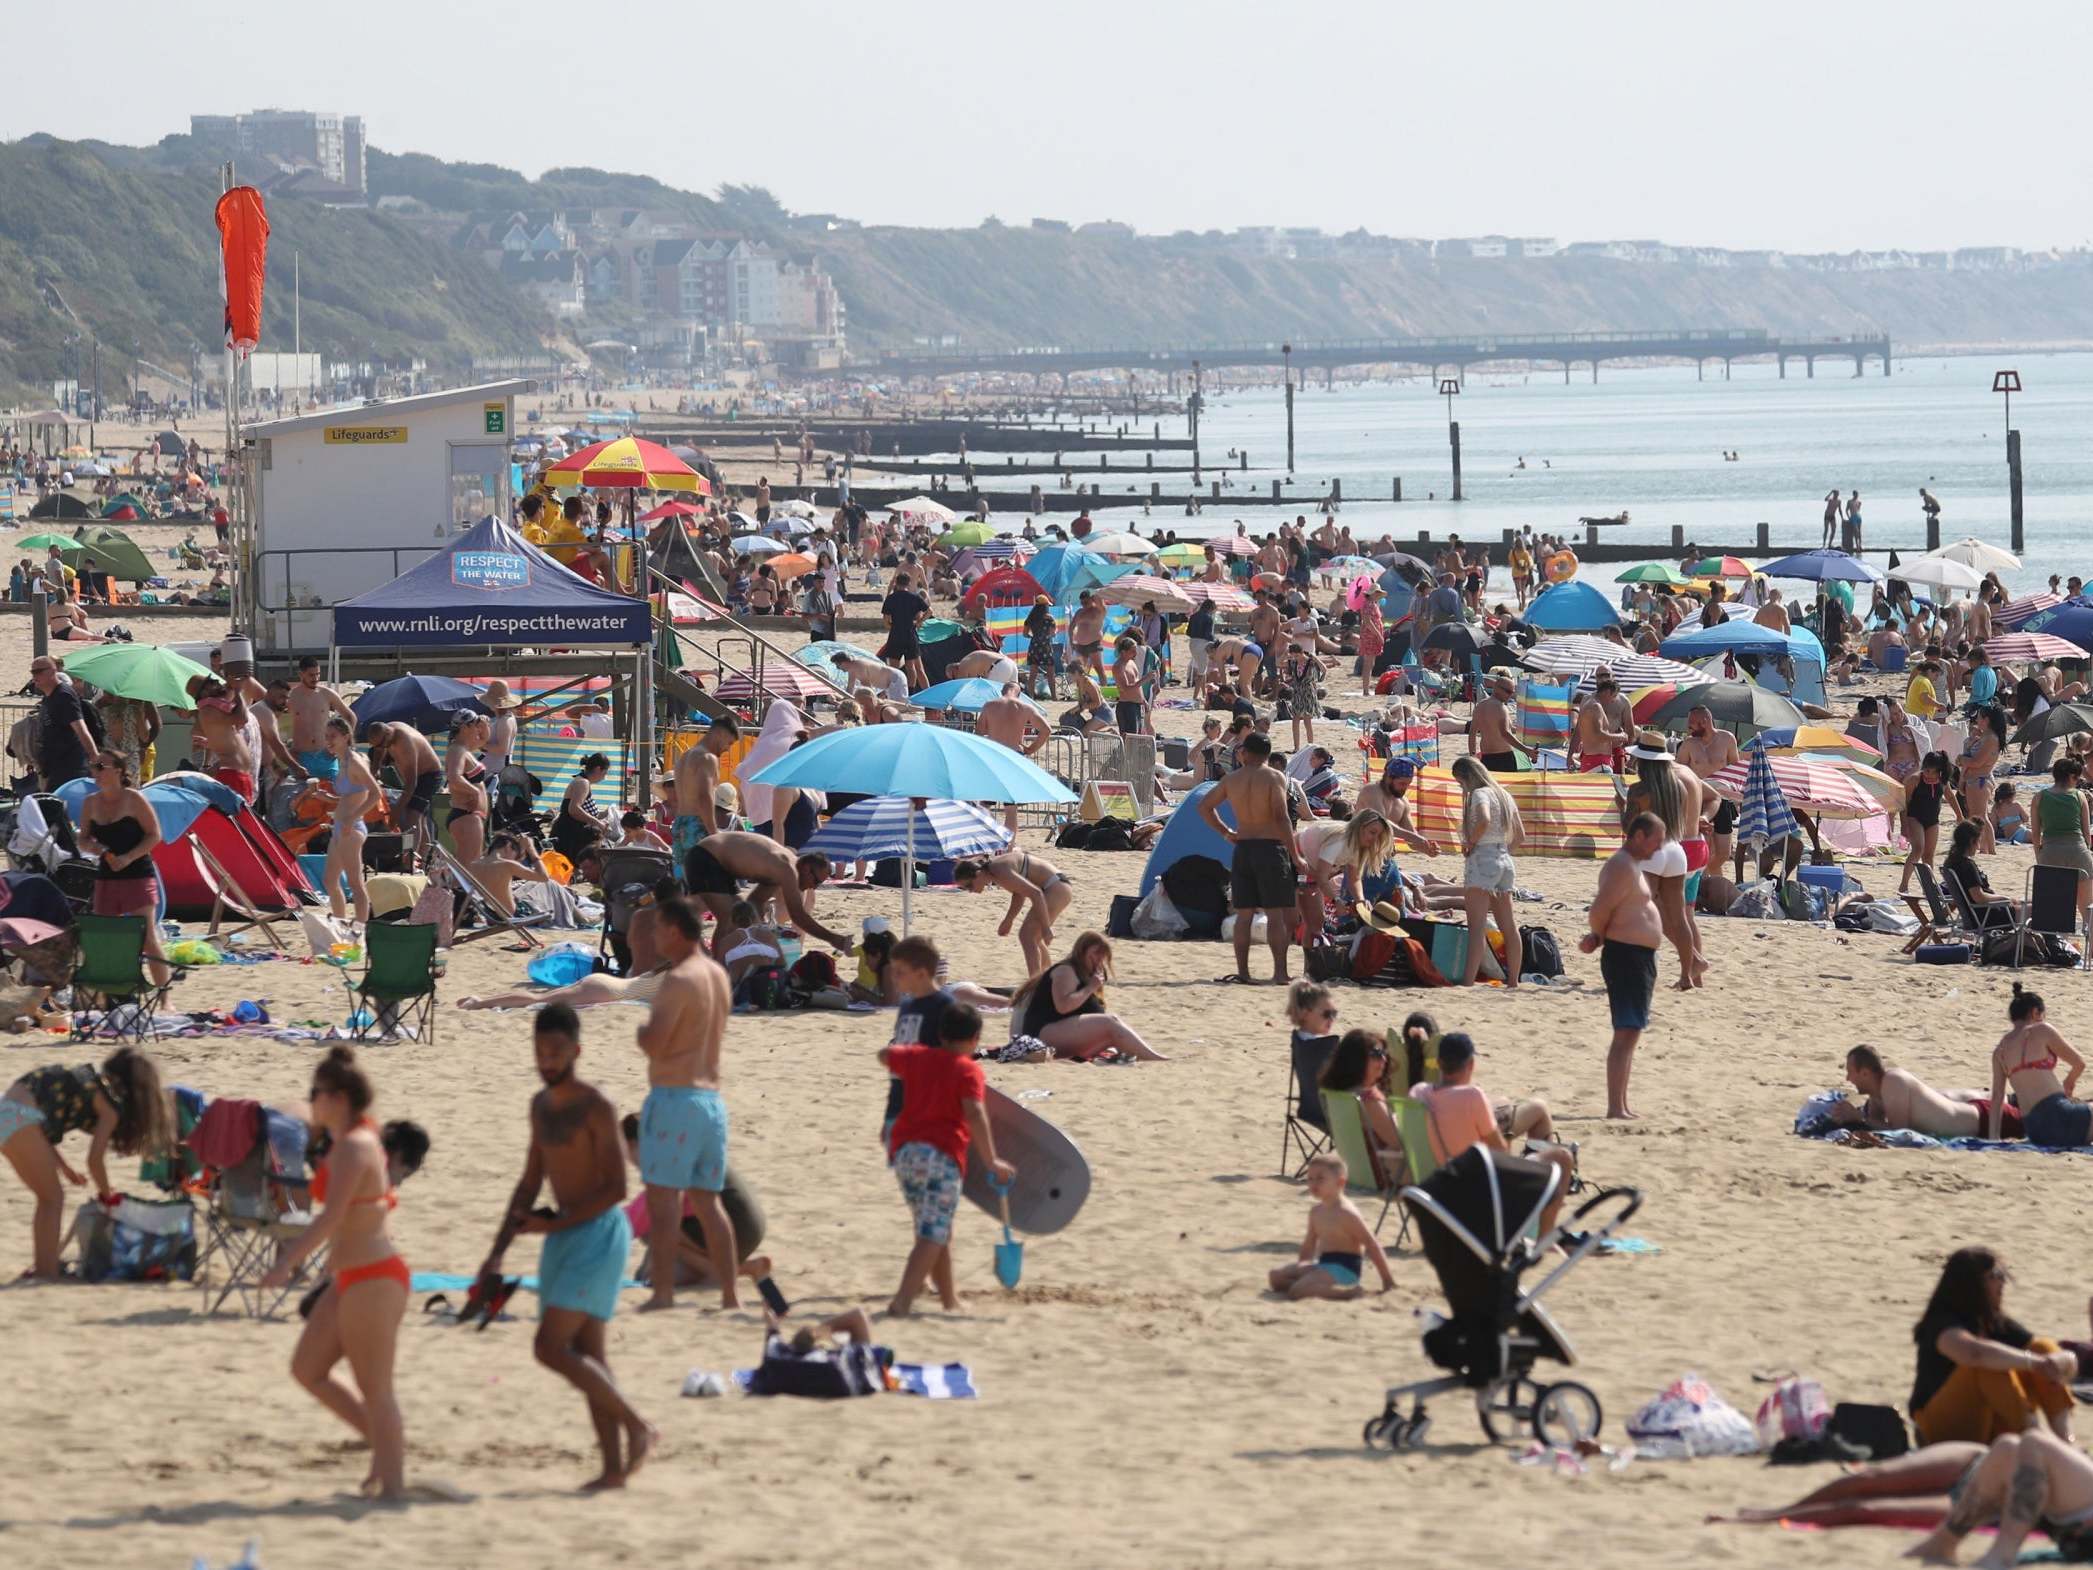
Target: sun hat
{"type": "Point", "coordinates": [1382, 915]}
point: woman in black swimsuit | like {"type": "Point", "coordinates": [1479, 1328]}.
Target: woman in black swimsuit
{"type": "Point", "coordinates": [1064, 1007]}
{"type": "Point", "coordinates": [1922, 799]}
{"type": "Point", "coordinates": [120, 829]}
{"type": "Point", "coordinates": [466, 775]}
{"type": "Point", "coordinates": [120, 1105]}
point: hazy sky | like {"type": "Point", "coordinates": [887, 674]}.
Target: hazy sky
{"type": "Point", "coordinates": [1833, 125]}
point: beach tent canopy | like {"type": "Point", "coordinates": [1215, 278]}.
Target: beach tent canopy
{"type": "Point", "coordinates": [1188, 834]}
{"type": "Point", "coordinates": [671, 553]}
{"type": "Point", "coordinates": [1064, 571]}
{"type": "Point", "coordinates": [195, 810]}
{"type": "Point", "coordinates": [1571, 607]}
{"type": "Point", "coordinates": [114, 552]}
{"type": "Point", "coordinates": [62, 504]}
{"type": "Point", "coordinates": [491, 587]}
{"type": "Point", "coordinates": [170, 444]}
{"type": "Point", "coordinates": [1743, 637]}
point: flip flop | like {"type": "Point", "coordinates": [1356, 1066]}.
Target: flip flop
{"type": "Point", "coordinates": [484, 1302]}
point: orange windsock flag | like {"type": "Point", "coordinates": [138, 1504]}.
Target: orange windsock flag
{"type": "Point", "coordinates": [243, 233]}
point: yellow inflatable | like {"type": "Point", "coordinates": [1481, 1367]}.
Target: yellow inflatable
{"type": "Point", "coordinates": [1561, 567]}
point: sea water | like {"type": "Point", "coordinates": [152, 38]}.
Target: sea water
{"type": "Point", "coordinates": [1650, 441]}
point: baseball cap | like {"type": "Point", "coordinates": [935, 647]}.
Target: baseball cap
{"type": "Point", "coordinates": [1399, 769]}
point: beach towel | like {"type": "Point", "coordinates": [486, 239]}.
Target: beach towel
{"type": "Point", "coordinates": [1814, 1122]}
{"type": "Point", "coordinates": [936, 1381]}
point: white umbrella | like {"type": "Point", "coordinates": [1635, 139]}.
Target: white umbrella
{"type": "Point", "coordinates": [793, 509]}
{"type": "Point", "coordinates": [1980, 554]}
{"type": "Point", "coordinates": [756, 545]}
{"type": "Point", "coordinates": [924, 509]}
{"type": "Point", "coordinates": [1942, 572]}
{"type": "Point", "coordinates": [1122, 545]}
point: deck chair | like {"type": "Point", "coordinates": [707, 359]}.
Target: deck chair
{"type": "Point", "coordinates": [228, 896]}
{"type": "Point", "coordinates": [113, 999]}
{"type": "Point", "coordinates": [1307, 1130]}
{"type": "Point", "coordinates": [399, 980]}
{"type": "Point", "coordinates": [2050, 906]}
{"type": "Point", "coordinates": [492, 922]}
{"type": "Point", "coordinates": [1937, 923]}
{"type": "Point", "coordinates": [254, 1210]}
{"type": "Point", "coordinates": [1348, 1137]}
{"type": "Point", "coordinates": [1413, 1120]}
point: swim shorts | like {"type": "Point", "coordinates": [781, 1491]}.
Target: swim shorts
{"type": "Point", "coordinates": [930, 1182]}
{"type": "Point", "coordinates": [1129, 718]}
{"type": "Point", "coordinates": [582, 1268]}
{"type": "Point", "coordinates": [1341, 1268]}
{"type": "Point", "coordinates": [1261, 876]}
{"type": "Point", "coordinates": [1726, 818]}
{"type": "Point", "coordinates": [2010, 1125]}
{"type": "Point", "coordinates": [689, 828]}
{"type": "Point", "coordinates": [238, 781]}
{"type": "Point", "coordinates": [1696, 850]}
{"type": "Point", "coordinates": [1598, 762]}
{"type": "Point", "coordinates": [321, 765]}
{"type": "Point", "coordinates": [704, 875]}
{"type": "Point", "coordinates": [423, 796]}
{"type": "Point", "coordinates": [683, 1138]}
{"type": "Point", "coordinates": [1499, 762]}
{"type": "Point", "coordinates": [1630, 972]}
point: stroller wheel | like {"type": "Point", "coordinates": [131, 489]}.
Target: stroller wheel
{"type": "Point", "coordinates": [1565, 1413]}
{"type": "Point", "coordinates": [1500, 1409]}
{"type": "Point", "coordinates": [1379, 1431]}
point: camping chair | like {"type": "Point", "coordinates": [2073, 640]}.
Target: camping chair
{"type": "Point", "coordinates": [228, 895]}
{"type": "Point", "coordinates": [255, 1209]}
{"type": "Point", "coordinates": [399, 980]}
{"type": "Point", "coordinates": [2051, 906]}
{"type": "Point", "coordinates": [1937, 923]}
{"type": "Point", "coordinates": [493, 922]}
{"type": "Point", "coordinates": [1307, 1130]}
{"type": "Point", "coordinates": [1348, 1137]}
{"type": "Point", "coordinates": [1413, 1120]}
{"type": "Point", "coordinates": [110, 979]}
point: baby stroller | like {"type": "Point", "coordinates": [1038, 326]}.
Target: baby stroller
{"type": "Point", "coordinates": [40, 839]}
{"type": "Point", "coordinates": [629, 876]}
{"type": "Point", "coordinates": [514, 805]}
{"type": "Point", "coordinates": [1478, 1217]}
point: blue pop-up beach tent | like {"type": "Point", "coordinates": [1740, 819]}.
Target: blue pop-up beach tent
{"type": "Point", "coordinates": [490, 587]}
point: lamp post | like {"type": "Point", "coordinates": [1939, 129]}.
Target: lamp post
{"type": "Point", "coordinates": [1286, 351]}
{"type": "Point", "coordinates": [2007, 383]}
{"type": "Point", "coordinates": [1450, 387]}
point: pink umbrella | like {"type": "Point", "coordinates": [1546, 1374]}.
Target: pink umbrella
{"type": "Point", "coordinates": [2023, 646]}
{"type": "Point", "coordinates": [1221, 596]}
{"type": "Point", "coordinates": [1232, 545]}
{"type": "Point", "coordinates": [780, 679]}
{"type": "Point", "coordinates": [2018, 613]}
{"type": "Point", "coordinates": [1818, 788]}
{"type": "Point", "coordinates": [1137, 589]}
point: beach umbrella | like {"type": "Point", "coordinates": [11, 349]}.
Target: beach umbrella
{"type": "Point", "coordinates": [1886, 790]}
{"type": "Point", "coordinates": [915, 759]}
{"type": "Point", "coordinates": [937, 830]}
{"type": "Point", "coordinates": [1652, 572]}
{"type": "Point", "coordinates": [1941, 572]}
{"type": "Point", "coordinates": [756, 545]}
{"type": "Point", "coordinates": [2072, 621]}
{"type": "Point", "coordinates": [965, 694]}
{"type": "Point", "coordinates": [1120, 545]}
{"type": "Point", "coordinates": [672, 510]}
{"type": "Point", "coordinates": [1644, 702]}
{"type": "Point", "coordinates": [787, 526]}
{"type": "Point", "coordinates": [2023, 646]}
{"type": "Point", "coordinates": [2052, 724]}
{"type": "Point", "coordinates": [1138, 589]}
{"type": "Point", "coordinates": [1581, 656]}
{"type": "Point", "coordinates": [922, 509]}
{"type": "Point", "coordinates": [1819, 787]}
{"type": "Point", "coordinates": [794, 508]}
{"type": "Point", "coordinates": [1571, 607]}
{"type": "Point", "coordinates": [629, 463]}
{"type": "Point", "coordinates": [1720, 567]}
{"type": "Point", "coordinates": [1823, 566]}
{"type": "Point", "coordinates": [961, 535]}
{"type": "Point", "coordinates": [1763, 816]}
{"type": "Point", "coordinates": [1221, 596]}
{"type": "Point", "coordinates": [1349, 567]}
{"type": "Point", "coordinates": [779, 679]}
{"type": "Point", "coordinates": [1233, 545]}
{"type": "Point", "coordinates": [821, 656]}
{"type": "Point", "coordinates": [990, 553]}
{"type": "Point", "coordinates": [1731, 703]}
{"type": "Point", "coordinates": [1457, 638]}
{"type": "Point", "coordinates": [143, 671]}
{"type": "Point", "coordinates": [1732, 637]}
{"type": "Point", "coordinates": [1819, 739]}
{"type": "Point", "coordinates": [2015, 614]}
{"type": "Point", "coordinates": [1182, 555]}
{"type": "Point", "coordinates": [1641, 672]}
{"type": "Point", "coordinates": [1980, 554]}
{"type": "Point", "coordinates": [67, 546]}
{"type": "Point", "coordinates": [792, 564]}
{"type": "Point", "coordinates": [1411, 569]}
{"type": "Point", "coordinates": [425, 702]}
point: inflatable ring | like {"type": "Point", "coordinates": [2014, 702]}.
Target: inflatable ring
{"type": "Point", "coordinates": [1560, 568]}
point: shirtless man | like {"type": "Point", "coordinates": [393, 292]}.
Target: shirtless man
{"type": "Point", "coordinates": [1263, 869]}
{"type": "Point", "coordinates": [419, 770]}
{"type": "Point", "coordinates": [1898, 1098]}
{"type": "Point", "coordinates": [1597, 740]}
{"type": "Point", "coordinates": [1705, 751]}
{"type": "Point", "coordinates": [1773, 614]}
{"type": "Point", "coordinates": [1009, 719]}
{"type": "Point", "coordinates": [575, 1143]}
{"type": "Point", "coordinates": [222, 729]}
{"type": "Point", "coordinates": [1625, 932]}
{"type": "Point", "coordinates": [683, 1122]}
{"type": "Point", "coordinates": [1390, 797]}
{"type": "Point", "coordinates": [311, 703]}
{"type": "Point", "coordinates": [697, 786]}
{"type": "Point", "coordinates": [714, 870]}
{"type": "Point", "coordinates": [1266, 628]}
{"type": "Point", "coordinates": [1086, 634]}
{"type": "Point", "coordinates": [1490, 736]}
{"type": "Point", "coordinates": [276, 702]}
{"type": "Point", "coordinates": [984, 664]}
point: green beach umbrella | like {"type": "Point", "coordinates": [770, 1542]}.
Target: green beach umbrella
{"type": "Point", "coordinates": [962, 534]}
{"type": "Point", "coordinates": [1182, 555]}
{"type": "Point", "coordinates": [1652, 572]}
{"type": "Point", "coordinates": [137, 670]}
{"type": "Point", "coordinates": [938, 628]}
{"type": "Point", "coordinates": [43, 542]}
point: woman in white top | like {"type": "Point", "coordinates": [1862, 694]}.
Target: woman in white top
{"type": "Point", "coordinates": [1490, 831]}
{"type": "Point", "coordinates": [1337, 854]}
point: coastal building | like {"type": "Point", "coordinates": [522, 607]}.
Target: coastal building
{"type": "Point", "coordinates": [311, 154]}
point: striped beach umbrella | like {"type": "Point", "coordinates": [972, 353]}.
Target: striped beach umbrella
{"type": "Point", "coordinates": [1763, 816]}
{"type": "Point", "coordinates": [1137, 589]}
{"type": "Point", "coordinates": [1819, 786]}
{"type": "Point", "coordinates": [895, 826]}
{"type": "Point", "coordinates": [2015, 614]}
{"type": "Point", "coordinates": [779, 679]}
{"type": "Point", "coordinates": [1820, 739]}
{"type": "Point", "coordinates": [2018, 647]}
{"type": "Point", "coordinates": [1232, 545]}
{"type": "Point", "coordinates": [626, 462]}
{"type": "Point", "coordinates": [1221, 596]}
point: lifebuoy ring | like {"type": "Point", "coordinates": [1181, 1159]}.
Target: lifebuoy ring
{"type": "Point", "coordinates": [1560, 568]}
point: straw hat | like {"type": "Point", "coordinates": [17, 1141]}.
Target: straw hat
{"type": "Point", "coordinates": [1382, 915]}
{"type": "Point", "coordinates": [726, 798]}
{"type": "Point", "coordinates": [1649, 746]}
{"type": "Point", "coordinates": [497, 696]}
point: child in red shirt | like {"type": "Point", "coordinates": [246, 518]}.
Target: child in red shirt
{"type": "Point", "coordinates": [942, 1092]}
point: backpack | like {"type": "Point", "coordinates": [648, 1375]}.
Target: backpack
{"type": "Point", "coordinates": [1540, 954]}
{"type": "Point", "coordinates": [97, 727]}
{"type": "Point", "coordinates": [813, 971]}
{"type": "Point", "coordinates": [1109, 834]}
{"type": "Point", "coordinates": [1074, 835]}
{"type": "Point", "coordinates": [764, 989]}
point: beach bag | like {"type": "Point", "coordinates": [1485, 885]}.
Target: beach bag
{"type": "Point", "coordinates": [1798, 1409]}
{"type": "Point", "coordinates": [1156, 916]}
{"type": "Point", "coordinates": [814, 973]}
{"type": "Point", "coordinates": [1328, 961]}
{"type": "Point", "coordinates": [1689, 1419]}
{"type": "Point", "coordinates": [1539, 953]}
{"type": "Point", "coordinates": [139, 1240]}
{"type": "Point", "coordinates": [1109, 834]}
{"type": "Point", "coordinates": [1119, 920]}
{"type": "Point", "coordinates": [1074, 836]}
{"type": "Point", "coordinates": [1877, 1430]}
{"type": "Point", "coordinates": [1943, 953]}
{"type": "Point", "coordinates": [764, 989]}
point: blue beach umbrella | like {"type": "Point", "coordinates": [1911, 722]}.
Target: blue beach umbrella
{"type": "Point", "coordinates": [967, 695]}
{"type": "Point", "coordinates": [916, 759]}
{"type": "Point", "coordinates": [896, 826]}
{"type": "Point", "coordinates": [1764, 815]}
{"type": "Point", "coordinates": [425, 702]}
{"type": "Point", "coordinates": [1822, 566]}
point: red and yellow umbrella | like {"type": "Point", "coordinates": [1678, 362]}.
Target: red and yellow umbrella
{"type": "Point", "coordinates": [672, 510]}
{"type": "Point", "coordinates": [630, 462]}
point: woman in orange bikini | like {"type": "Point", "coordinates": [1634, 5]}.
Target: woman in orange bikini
{"type": "Point", "coordinates": [358, 1314]}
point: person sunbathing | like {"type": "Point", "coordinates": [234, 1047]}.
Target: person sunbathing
{"type": "Point", "coordinates": [2022, 1482]}
{"type": "Point", "coordinates": [1898, 1098]}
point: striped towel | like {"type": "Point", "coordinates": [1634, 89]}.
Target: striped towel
{"type": "Point", "coordinates": [936, 1381]}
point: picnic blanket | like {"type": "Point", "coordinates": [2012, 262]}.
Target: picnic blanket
{"type": "Point", "coordinates": [932, 1381]}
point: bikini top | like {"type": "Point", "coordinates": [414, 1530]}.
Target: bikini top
{"type": "Point", "coordinates": [2048, 1063]}
{"type": "Point", "coordinates": [390, 1199]}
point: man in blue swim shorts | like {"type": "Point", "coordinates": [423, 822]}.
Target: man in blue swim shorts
{"type": "Point", "coordinates": [575, 1144]}
{"type": "Point", "coordinates": [683, 1121]}
{"type": "Point", "coordinates": [697, 786]}
{"type": "Point", "coordinates": [310, 706]}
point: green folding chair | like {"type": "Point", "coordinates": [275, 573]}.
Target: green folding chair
{"type": "Point", "coordinates": [1413, 1120]}
{"type": "Point", "coordinates": [1348, 1137]}
{"type": "Point", "coordinates": [399, 980]}
{"type": "Point", "coordinates": [113, 999]}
